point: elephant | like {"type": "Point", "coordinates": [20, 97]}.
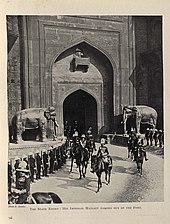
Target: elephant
{"type": "Point", "coordinates": [32, 118]}
{"type": "Point", "coordinates": [141, 114]}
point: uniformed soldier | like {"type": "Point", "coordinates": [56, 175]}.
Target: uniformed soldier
{"type": "Point", "coordinates": [102, 153]}
{"type": "Point", "coordinates": [16, 165]}
{"type": "Point", "coordinates": [9, 175]}
{"type": "Point", "coordinates": [66, 128]}
{"type": "Point", "coordinates": [103, 150]}
{"type": "Point", "coordinates": [23, 189]}
{"type": "Point", "coordinates": [141, 147]}
{"type": "Point", "coordinates": [147, 135]}
{"type": "Point", "coordinates": [25, 159]}
{"type": "Point", "coordinates": [155, 137]}
{"type": "Point", "coordinates": [89, 133]}
{"type": "Point", "coordinates": [75, 127]}
{"type": "Point", "coordinates": [151, 136]}
{"type": "Point", "coordinates": [45, 163]}
{"type": "Point", "coordinates": [38, 162]}
{"type": "Point", "coordinates": [83, 141]}
{"type": "Point", "coordinates": [160, 138]}
{"type": "Point", "coordinates": [52, 159]}
{"type": "Point", "coordinates": [31, 164]}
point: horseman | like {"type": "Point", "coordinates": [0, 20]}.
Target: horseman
{"type": "Point", "coordinates": [140, 149]}
{"type": "Point", "coordinates": [83, 143]}
{"type": "Point", "coordinates": [89, 133]}
{"type": "Point", "coordinates": [91, 146]}
{"type": "Point", "coordinates": [75, 137]}
{"type": "Point", "coordinates": [132, 142]}
{"type": "Point", "coordinates": [102, 153]}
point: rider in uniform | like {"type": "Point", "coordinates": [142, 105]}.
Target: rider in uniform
{"type": "Point", "coordinates": [102, 153]}
{"type": "Point", "coordinates": [141, 147]}
{"type": "Point", "coordinates": [83, 143]}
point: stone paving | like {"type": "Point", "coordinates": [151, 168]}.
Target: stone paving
{"type": "Point", "coordinates": [126, 185]}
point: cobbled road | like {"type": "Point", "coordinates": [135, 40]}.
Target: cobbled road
{"type": "Point", "coordinates": [126, 185]}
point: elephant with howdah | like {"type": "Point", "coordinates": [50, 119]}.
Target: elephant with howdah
{"type": "Point", "coordinates": [32, 118]}
{"type": "Point", "coordinates": [140, 114]}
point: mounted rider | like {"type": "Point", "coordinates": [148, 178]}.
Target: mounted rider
{"type": "Point", "coordinates": [140, 148]}
{"type": "Point", "coordinates": [132, 141]}
{"type": "Point", "coordinates": [83, 143]}
{"type": "Point", "coordinates": [102, 153]}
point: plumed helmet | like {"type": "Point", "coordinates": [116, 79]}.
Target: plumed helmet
{"type": "Point", "coordinates": [103, 141]}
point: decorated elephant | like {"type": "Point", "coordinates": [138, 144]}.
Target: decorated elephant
{"type": "Point", "coordinates": [32, 118]}
{"type": "Point", "coordinates": [140, 114]}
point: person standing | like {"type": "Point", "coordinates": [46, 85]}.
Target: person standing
{"type": "Point", "coordinates": [155, 137]}
{"type": "Point", "coordinates": [160, 138]}
{"type": "Point", "coordinates": [23, 189]}
{"type": "Point", "coordinates": [151, 136]}
{"type": "Point", "coordinates": [31, 164]}
{"type": "Point", "coordinates": [16, 165]}
{"type": "Point", "coordinates": [52, 159]}
{"type": "Point", "coordinates": [102, 153]}
{"type": "Point", "coordinates": [9, 175]}
{"type": "Point", "coordinates": [38, 162]}
{"type": "Point", "coordinates": [89, 133]}
{"type": "Point", "coordinates": [147, 135]}
{"type": "Point", "coordinates": [45, 164]}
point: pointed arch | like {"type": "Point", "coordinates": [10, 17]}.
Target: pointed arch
{"type": "Point", "coordinates": [90, 43]}
{"type": "Point", "coordinates": [81, 106]}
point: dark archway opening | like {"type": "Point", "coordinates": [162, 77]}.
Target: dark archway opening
{"type": "Point", "coordinates": [81, 107]}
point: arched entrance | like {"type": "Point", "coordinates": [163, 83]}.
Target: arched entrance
{"type": "Point", "coordinates": [82, 107]}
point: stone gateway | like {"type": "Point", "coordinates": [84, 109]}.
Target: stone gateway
{"type": "Point", "coordinates": [86, 67]}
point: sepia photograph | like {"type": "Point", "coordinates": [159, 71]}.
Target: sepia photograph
{"type": "Point", "coordinates": [85, 108]}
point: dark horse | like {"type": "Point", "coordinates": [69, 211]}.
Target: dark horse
{"type": "Point", "coordinates": [81, 157]}
{"type": "Point", "coordinates": [103, 166]}
{"type": "Point", "coordinates": [139, 157]}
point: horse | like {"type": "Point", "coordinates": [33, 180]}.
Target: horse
{"type": "Point", "coordinates": [81, 157]}
{"type": "Point", "coordinates": [101, 166]}
{"type": "Point", "coordinates": [139, 156]}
